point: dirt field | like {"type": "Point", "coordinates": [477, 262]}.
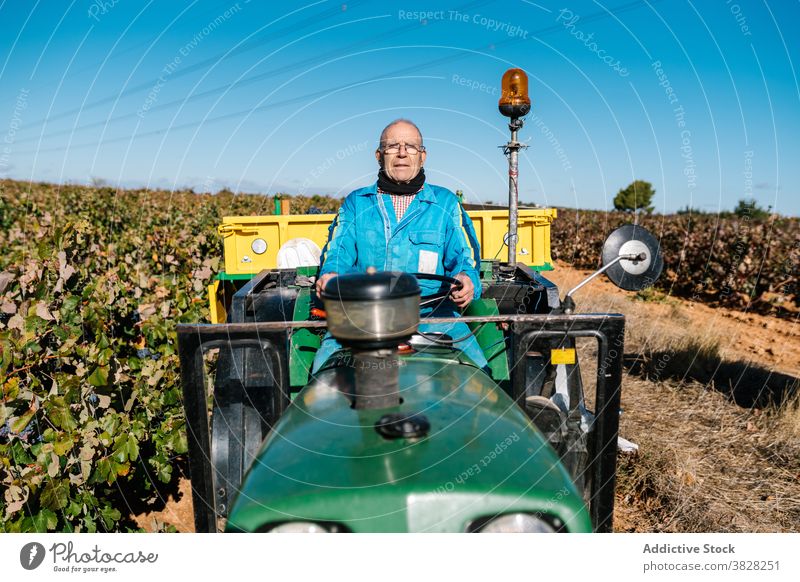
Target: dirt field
{"type": "Point", "coordinates": [710, 397]}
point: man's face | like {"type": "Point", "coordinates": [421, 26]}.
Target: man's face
{"type": "Point", "coordinates": [401, 167]}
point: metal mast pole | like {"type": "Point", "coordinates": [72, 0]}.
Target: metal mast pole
{"type": "Point", "coordinates": [511, 149]}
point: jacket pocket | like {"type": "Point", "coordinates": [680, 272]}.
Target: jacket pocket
{"type": "Point", "coordinates": [427, 237]}
{"type": "Point", "coordinates": [427, 248]}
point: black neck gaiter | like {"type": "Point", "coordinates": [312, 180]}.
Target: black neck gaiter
{"type": "Point", "coordinates": [386, 184]}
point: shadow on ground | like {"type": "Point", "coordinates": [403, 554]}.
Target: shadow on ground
{"type": "Point", "coordinates": [747, 384]}
{"type": "Point", "coordinates": [128, 499]}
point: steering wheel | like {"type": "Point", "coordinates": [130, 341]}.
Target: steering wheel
{"type": "Point", "coordinates": [441, 294]}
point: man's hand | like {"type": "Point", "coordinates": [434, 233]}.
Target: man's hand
{"type": "Point", "coordinates": [322, 281]}
{"type": "Point", "coordinates": [463, 297]}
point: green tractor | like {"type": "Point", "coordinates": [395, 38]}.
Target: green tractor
{"type": "Point", "coordinates": [400, 431]}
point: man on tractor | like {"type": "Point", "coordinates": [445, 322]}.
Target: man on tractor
{"type": "Point", "coordinates": [402, 223]}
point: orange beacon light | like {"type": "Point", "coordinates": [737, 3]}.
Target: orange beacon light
{"type": "Point", "coordinates": [514, 100]}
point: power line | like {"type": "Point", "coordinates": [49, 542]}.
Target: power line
{"type": "Point", "coordinates": [308, 96]}
{"type": "Point", "coordinates": [50, 81]}
{"type": "Point", "coordinates": [148, 85]}
{"type": "Point", "coordinates": [214, 60]}
{"type": "Point", "coordinates": [304, 64]}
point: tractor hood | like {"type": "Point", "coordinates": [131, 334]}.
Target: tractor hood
{"type": "Point", "coordinates": [326, 462]}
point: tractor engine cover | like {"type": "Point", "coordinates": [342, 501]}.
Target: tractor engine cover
{"type": "Point", "coordinates": [376, 309]}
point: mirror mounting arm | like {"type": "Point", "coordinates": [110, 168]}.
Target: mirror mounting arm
{"type": "Point", "coordinates": [569, 302]}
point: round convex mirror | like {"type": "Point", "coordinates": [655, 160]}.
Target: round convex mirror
{"type": "Point", "coordinates": [636, 274]}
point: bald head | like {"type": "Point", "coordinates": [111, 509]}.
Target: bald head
{"type": "Point", "coordinates": [401, 121]}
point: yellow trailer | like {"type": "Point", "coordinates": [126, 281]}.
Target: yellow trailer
{"type": "Point", "coordinates": [251, 243]}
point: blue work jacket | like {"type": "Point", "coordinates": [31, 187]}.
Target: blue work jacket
{"type": "Point", "coordinates": [435, 235]}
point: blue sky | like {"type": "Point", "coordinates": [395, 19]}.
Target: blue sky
{"type": "Point", "coordinates": [699, 98]}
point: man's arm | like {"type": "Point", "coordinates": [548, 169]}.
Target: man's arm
{"type": "Point", "coordinates": [462, 253]}
{"type": "Point", "coordinates": [339, 254]}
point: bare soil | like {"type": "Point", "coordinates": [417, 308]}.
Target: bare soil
{"type": "Point", "coordinates": [710, 397]}
{"type": "Point", "coordinates": [175, 510]}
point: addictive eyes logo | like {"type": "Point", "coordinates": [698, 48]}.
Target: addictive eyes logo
{"type": "Point", "coordinates": [31, 555]}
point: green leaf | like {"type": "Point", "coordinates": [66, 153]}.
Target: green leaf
{"type": "Point", "coordinates": [45, 520]}
{"type": "Point", "coordinates": [55, 495]}
{"type": "Point", "coordinates": [110, 516]}
{"type": "Point", "coordinates": [119, 455]}
{"type": "Point", "coordinates": [19, 454]}
{"type": "Point", "coordinates": [164, 473]}
{"type": "Point", "coordinates": [110, 423]}
{"type": "Point", "coordinates": [20, 423]}
{"type": "Point", "coordinates": [58, 412]}
{"type": "Point", "coordinates": [104, 472]}
{"type": "Point", "coordinates": [89, 525]}
{"type": "Point", "coordinates": [73, 509]}
{"type": "Point", "coordinates": [11, 387]}
{"type": "Point", "coordinates": [126, 448]}
{"type": "Point", "coordinates": [99, 376]}
{"type": "Point", "coordinates": [69, 307]}
{"type": "Point", "coordinates": [63, 445]}
{"type": "Point", "coordinates": [180, 443]}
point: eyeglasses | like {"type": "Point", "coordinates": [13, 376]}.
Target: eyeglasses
{"type": "Point", "coordinates": [411, 149]}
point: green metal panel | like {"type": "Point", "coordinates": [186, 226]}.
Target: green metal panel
{"type": "Point", "coordinates": [486, 270]}
{"type": "Point", "coordinates": [324, 461]}
{"type": "Point", "coordinates": [545, 267]}
{"type": "Point", "coordinates": [490, 338]}
{"type": "Point", "coordinates": [304, 343]}
{"type": "Point", "coordinates": [223, 276]}
{"type": "Point", "coordinates": [307, 271]}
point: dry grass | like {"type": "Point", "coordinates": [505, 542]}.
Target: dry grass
{"type": "Point", "coordinates": [705, 464]}
{"type": "Point", "coordinates": [719, 439]}
{"type": "Point", "coordinates": [787, 418]}
{"type": "Point", "coordinates": [718, 427]}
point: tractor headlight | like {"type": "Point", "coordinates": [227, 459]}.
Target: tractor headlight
{"type": "Point", "coordinates": [516, 523]}
{"type": "Point", "coordinates": [299, 527]}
